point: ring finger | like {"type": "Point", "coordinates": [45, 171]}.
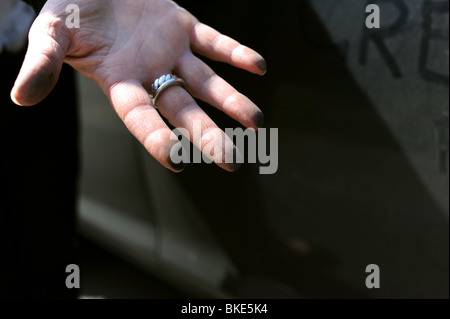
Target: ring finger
{"type": "Point", "coordinates": [178, 106]}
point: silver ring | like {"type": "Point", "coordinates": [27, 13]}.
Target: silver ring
{"type": "Point", "coordinates": [163, 83]}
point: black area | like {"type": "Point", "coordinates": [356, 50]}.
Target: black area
{"type": "Point", "coordinates": [103, 275]}
{"type": "Point", "coordinates": [38, 176]}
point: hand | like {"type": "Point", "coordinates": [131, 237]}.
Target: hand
{"type": "Point", "coordinates": [124, 46]}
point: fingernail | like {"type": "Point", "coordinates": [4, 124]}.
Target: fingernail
{"type": "Point", "coordinates": [176, 151]}
{"type": "Point", "coordinates": [262, 65]}
{"type": "Point", "coordinates": [237, 160]}
{"type": "Point", "coordinates": [259, 119]}
{"type": "Point", "coordinates": [177, 167]}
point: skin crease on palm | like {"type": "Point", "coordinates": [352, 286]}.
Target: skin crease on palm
{"type": "Point", "coordinates": [123, 46]}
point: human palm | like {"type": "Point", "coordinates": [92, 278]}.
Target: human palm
{"type": "Point", "coordinates": [124, 45]}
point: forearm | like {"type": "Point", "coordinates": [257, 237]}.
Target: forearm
{"type": "Point", "coordinates": [36, 4]}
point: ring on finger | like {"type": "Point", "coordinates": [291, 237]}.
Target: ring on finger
{"type": "Point", "coordinates": [163, 83]}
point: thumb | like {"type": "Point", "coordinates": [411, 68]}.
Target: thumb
{"type": "Point", "coordinates": [47, 47]}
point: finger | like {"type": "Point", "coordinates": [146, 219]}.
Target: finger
{"type": "Point", "coordinates": [133, 105]}
{"type": "Point", "coordinates": [203, 83]}
{"type": "Point", "coordinates": [180, 109]}
{"type": "Point", "coordinates": [216, 46]}
{"type": "Point", "coordinates": [48, 44]}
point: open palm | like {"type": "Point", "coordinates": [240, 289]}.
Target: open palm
{"type": "Point", "coordinates": [124, 45]}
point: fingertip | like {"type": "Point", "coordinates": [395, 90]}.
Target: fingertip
{"type": "Point", "coordinates": [231, 167]}
{"type": "Point", "coordinates": [176, 151]}
{"type": "Point", "coordinates": [259, 119]}
{"type": "Point", "coordinates": [22, 101]}
{"type": "Point", "coordinates": [237, 162]}
{"type": "Point", "coordinates": [177, 168]}
{"type": "Point", "coordinates": [13, 98]}
{"type": "Point", "coordinates": [234, 167]}
{"type": "Point", "coordinates": [34, 84]}
{"type": "Point", "coordinates": [262, 66]}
